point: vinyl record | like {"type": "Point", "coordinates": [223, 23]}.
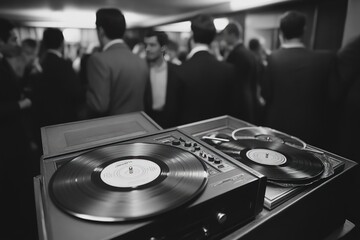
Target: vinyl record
{"type": "Point", "coordinates": [277, 161]}
{"type": "Point", "coordinates": [268, 134]}
{"type": "Point", "coordinates": [127, 182]}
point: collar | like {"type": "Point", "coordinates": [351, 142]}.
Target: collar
{"type": "Point", "coordinates": [112, 42]}
{"type": "Point", "coordinates": [56, 52]}
{"type": "Point", "coordinates": [199, 47]}
{"type": "Point", "coordinates": [293, 44]}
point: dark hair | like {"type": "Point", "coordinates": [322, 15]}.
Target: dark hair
{"type": "Point", "coordinates": [203, 29]}
{"type": "Point", "coordinates": [52, 38]}
{"type": "Point", "coordinates": [161, 36]}
{"type": "Point", "coordinates": [292, 24]}
{"type": "Point", "coordinates": [5, 29]}
{"type": "Point", "coordinates": [112, 21]}
{"type": "Point", "coordinates": [254, 44]}
{"type": "Point", "coordinates": [29, 42]}
{"type": "Point", "coordinates": [233, 28]}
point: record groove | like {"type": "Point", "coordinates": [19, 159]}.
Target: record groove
{"type": "Point", "coordinates": [127, 182]}
{"type": "Point", "coordinates": [277, 161]}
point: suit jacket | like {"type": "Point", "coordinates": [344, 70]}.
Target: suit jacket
{"type": "Point", "coordinates": [247, 77]}
{"type": "Point", "coordinates": [167, 117]}
{"type": "Point", "coordinates": [15, 158]}
{"type": "Point", "coordinates": [349, 129]}
{"type": "Point", "coordinates": [13, 136]}
{"type": "Point", "coordinates": [116, 81]}
{"type": "Point", "coordinates": [297, 88]}
{"type": "Point", "coordinates": [58, 92]}
{"type": "Point", "coordinates": [206, 86]}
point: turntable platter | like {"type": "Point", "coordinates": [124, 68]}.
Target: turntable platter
{"type": "Point", "coordinates": [127, 182]}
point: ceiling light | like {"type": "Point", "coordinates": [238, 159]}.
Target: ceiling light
{"type": "Point", "coordinates": [237, 5]}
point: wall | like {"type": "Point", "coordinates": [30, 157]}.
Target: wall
{"type": "Point", "coordinates": [352, 22]}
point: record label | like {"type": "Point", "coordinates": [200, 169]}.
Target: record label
{"type": "Point", "coordinates": [130, 173]}
{"type": "Point", "coordinates": [266, 157]}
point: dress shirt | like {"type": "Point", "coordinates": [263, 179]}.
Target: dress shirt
{"type": "Point", "coordinates": [158, 78]}
{"type": "Point", "coordinates": [294, 44]}
{"type": "Point", "coordinates": [56, 52]}
{"type": "Point", "coordinates": [199, 47]}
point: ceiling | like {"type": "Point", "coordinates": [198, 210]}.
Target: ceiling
{"type": "Point", "coordinates": [138, 13]}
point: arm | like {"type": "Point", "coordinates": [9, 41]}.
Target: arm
{"type": "Point", "coordinates": [98, 92]}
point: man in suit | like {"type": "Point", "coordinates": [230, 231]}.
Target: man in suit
{"type": "Point", "coordinates": [298, 85]}
{"type": "Point", "coordinates": [116, 76]}
{"type": "Point", "coordinates": [58, 92]}
{"type": "Point", "coordinates": [347, 142]}
{"type": "Point", "coordinates": [162, 89]}
{"type": "Point", "coordinates": [206, 83]}
{"type": "Point", "coordinates": [17, 189]}
{"type": "Point", "coordinates": [349, 71]}
{"type": "Point", "coordinates": [246, 66]}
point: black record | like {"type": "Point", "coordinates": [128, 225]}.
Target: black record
{"type": "Point", "coordinates": [127, 182]}
{"type": "Point", "coordinates": [278, 162]}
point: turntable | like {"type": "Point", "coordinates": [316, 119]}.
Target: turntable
{"type": "Point", "coordinates": [288, 162]}
{"type": "Point", "coordinates": [143, 187]}
{"type": "Point", "coordinates": [307, 201]}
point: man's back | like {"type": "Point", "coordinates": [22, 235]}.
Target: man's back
{"type": "Point", "coordinates": [58, 91]}
{"type": "Point", "coordinates": [207, 84]}
{"type": "Point", "coordinates": [296, 88]}
{"type": "Point", "coordinates": [246, 68]}
{"type": "Point", "coordinates": [117, 80]}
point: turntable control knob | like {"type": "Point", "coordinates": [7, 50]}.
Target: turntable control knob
{"type": "Point", "coordinates": [176, 142]}
{"type": "Point", "coordinates": [217, 161]}
{"type": "Point", "coordinates": [187, 144]}
{"type": "Point", "coordinates": [221, 217]}
{"type": "Point", "coordinates": [211, 158]}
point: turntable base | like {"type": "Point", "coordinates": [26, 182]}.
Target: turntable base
{"type": "Point", "coordinates": [310, 212]}
{"type": "Point", "coordinates": [317, 211]}
{"type": "Point", "coordinates": [145, 187]}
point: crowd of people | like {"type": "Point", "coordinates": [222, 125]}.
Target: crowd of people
{"type": "Point", "coordinates": [312, 95]}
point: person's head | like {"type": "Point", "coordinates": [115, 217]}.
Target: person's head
{"type": "Point", "coordinates": [292, 25]}
{"type": "Point", "coordinates": [232, 33]}
{"type": "Point", "coordinates": [254, 44]}
{"type": "Point", "coordinates": [8, 39]}
{"type": "Point", "coordinates": [29, 49]}
{"type": "Point", "coordinates": [110, 24]}
{"type": "Point", "coordinates": [53, 38]}
{"type": "Point", "coordinates": [155, 45]}
{"type": "Point", "coordinates": [203, 29]}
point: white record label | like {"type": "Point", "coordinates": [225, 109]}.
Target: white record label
{"type": "Point", "coordinates": [130, 173]}
{"type": "Point", "coordinates": [266, 157]}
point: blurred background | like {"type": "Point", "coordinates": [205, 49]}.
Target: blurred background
{"type": "Point", "coordinates": [331, 22]}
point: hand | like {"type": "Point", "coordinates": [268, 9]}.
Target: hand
{"type": "Point", "coordinates": [25, 103]}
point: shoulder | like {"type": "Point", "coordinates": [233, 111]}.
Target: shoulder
{"type": "Point", "coordinates": [172, 66]}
